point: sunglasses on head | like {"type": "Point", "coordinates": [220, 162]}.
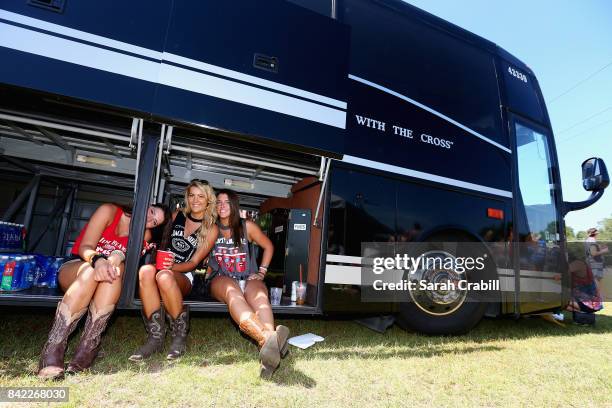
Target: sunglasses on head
{"type": "Point", "coordinates": [205, 182]}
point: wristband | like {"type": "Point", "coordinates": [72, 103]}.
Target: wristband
{"type": "Point", "coordinates": [265, 268]}
{"type": "Point", "coordinates": [95, 258]}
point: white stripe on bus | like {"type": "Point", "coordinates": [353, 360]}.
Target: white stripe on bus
{"type": "Point", "coordinates": [506, 284]}
{"type": "Point", "coordinates": [344, 275]}
{"type": "Point", "coordinates": [146, 52]}
{"type": "Point", "coordinates": [527, 273]}
{"type": "Point", "coordinates": [252, 79]}
{"type": "Point", "coordinates": [78, 34]}
{"type": "Point", "coordinates": [74, 52]}
{"type": "Point", "coordinates": [428, 109]}
{"type": "Point", "coordinates": [344, 259]}
{"type": "Point", "coordinates": [193, 81]}
{"type": "Point", "coordinates": [424, 176]}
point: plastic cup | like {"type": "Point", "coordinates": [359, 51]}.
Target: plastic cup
{"type": "Point", "coordinates": [162, 258]}
{"type": "Point", "coordinates": [300, 294]}
{"type": "Point", "coordinates": [275, 296]}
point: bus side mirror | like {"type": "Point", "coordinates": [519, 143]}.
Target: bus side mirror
{"type": "Point", "coordinates": [594, 174]}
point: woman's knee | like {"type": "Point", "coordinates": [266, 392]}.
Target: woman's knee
{"type": "Point", "coordinates": [165, 280]}
{"type": "Point", "coordinates": [146, 274]}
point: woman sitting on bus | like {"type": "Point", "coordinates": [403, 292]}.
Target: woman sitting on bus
{"type": "Point", "coordinates": [92, 279]}
{"type": "Point", "coordinates": [193, 235]}
{"type": "Point", "coordinates": [233, 264]}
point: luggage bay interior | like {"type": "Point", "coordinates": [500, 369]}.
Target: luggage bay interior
{"type": "Point", "coordinates": [60, 161]}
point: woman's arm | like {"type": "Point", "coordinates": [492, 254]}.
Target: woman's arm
{"type": "Point", "coordinates": [595, 252]}
{"type": "Point", "coordinates": [200, 253]}
{"type": "Point", "coordinates": [255, 234]}
{"type": "Point", "coordinates": [104, 270]}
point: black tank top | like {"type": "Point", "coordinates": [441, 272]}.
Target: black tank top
{"type": "Point", "coordinates": [183, 248]}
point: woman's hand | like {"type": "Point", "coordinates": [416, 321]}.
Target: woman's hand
{"type": "Point", "coordinates": [257, 276]}
{"type": "Point", "coordinates": [169, 263]}
{"type": "Point", "coordinates": [104, 271]}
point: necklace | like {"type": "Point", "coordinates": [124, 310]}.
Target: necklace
{"type": "Point", "coordinates": [194, 219]}
{"type": "Point", "coordinates": [224, 227]}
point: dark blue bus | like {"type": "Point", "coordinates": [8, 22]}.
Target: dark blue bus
{"type": "Point", "coordinates": [338, 122]}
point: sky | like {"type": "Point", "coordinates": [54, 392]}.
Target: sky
{"type": "Point", "coordinates": [568, 45]}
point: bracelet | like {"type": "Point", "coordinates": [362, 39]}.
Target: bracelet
{"type": "Point", "coordinates": [95, 258]}
{"type": "Point", "coordinates": [265, 268]}
{"type": "Point", "coordinates": [119, 254]}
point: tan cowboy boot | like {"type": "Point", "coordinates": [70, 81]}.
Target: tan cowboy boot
{"type": "Point", "coordinates": [269, 353]}
{"type": "Point", "coordinates": [283, 334]}
{"type": "Point", "coordinates": [51, 365]}
{"type": "Point", "coordinates": [87, 350]}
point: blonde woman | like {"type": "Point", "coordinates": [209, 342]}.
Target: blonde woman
{"type": "Point", "coordinates": [194, 233]}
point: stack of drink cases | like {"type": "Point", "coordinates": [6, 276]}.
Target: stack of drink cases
{"type": "Point", "coordinates": [20, 270]}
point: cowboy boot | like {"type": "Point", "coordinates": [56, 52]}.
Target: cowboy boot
{"type": "Point", "coordinates": [156, 330]}
{"type": "Point", "coordinates": [178, 333]}
{"type": "Point", "coordinates": [269, 353]}
{"type": "Point", "coordinates": [51, 365]}
{"type": "Point", "coordinates": [88, 347]}
{"type": "Point", "coordinates": [282, 333]}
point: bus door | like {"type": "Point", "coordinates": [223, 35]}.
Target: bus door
{"type": "Point", "coordinates": [537, 278]}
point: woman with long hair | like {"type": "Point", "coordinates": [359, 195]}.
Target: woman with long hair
{"type": "Point", "coordinates": [193, 235]}
{"type": "Point", "coordinates": [232, 261]}
{"type": "Point", "coordinates": [92, 280]}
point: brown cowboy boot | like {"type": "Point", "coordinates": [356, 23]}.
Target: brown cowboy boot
{"type": "Point", "coordinates": [87, 350]}
{"type": "Point", "coordinates": [178, 332]}
{"type": "Point", "coordinates": [283, 334]}
{"type": "Point", "coordinates": [269, 353]}
{"type": "Point", "coordinates": [51, 365]}
{"type": "Point", "coordinates": [156, 329]}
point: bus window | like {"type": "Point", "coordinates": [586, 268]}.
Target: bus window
{"type": "Point", "coordinates": [536, 182]}
{"type": "Point", "coordinates": [538, 228]}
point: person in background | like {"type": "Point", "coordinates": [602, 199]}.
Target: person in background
{"type": "Point", "coordinates": [231, 262]}
{"type": "Point", "coordinates": [594, 255]}
{"type": "Point", "coordinates": [193, 233]}
{"type": "Point", "coordinates": [92, 280]}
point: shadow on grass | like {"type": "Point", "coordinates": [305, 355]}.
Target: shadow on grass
{"type": "Point", "coordinates": [215, 341]}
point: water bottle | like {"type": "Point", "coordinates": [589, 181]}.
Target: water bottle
{"type": "Point", "coordinates": [54, 265]}
{"type": "Point", "coordinates": [41, 275]}
{"type": "Point", "coordinates": [23, 283]}
{"type": "Point", "coordinates": [32, 272]}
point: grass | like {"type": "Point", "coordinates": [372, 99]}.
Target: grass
{"type": "Point", "coordinates": [530, 362]}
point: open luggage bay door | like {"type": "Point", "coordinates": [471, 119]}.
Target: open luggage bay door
{"type": "Point", "coordinates": [266, 69]}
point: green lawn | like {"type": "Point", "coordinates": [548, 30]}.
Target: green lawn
{"type": "Point", "coordinates": [530, 362]}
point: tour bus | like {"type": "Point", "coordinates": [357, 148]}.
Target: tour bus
{"type": "Point", "coordinates": [338, 122]}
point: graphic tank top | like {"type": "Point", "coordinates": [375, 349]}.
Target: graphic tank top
{"type": "Point", "coordinates": [230, 260]}
{"type": "Point", "coordinates": [109, 241]}
{"type": "Point", "coordinates": [183, 248]}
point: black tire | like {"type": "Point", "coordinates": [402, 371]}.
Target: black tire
{"type": "Point", "coordinates": [458, 318]}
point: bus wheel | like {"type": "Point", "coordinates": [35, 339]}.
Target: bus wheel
{"type": "Point", "coordinates": [436, 303]}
